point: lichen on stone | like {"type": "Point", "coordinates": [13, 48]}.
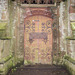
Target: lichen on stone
{"type": "Point", "coordinates": [2, 25]}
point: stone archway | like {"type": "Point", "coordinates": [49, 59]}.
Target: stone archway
{"type": "Point", "coordinates": [46, 12]}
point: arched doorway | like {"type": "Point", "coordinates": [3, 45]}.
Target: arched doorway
{"type": "Point", "coordinates": [38, 39]}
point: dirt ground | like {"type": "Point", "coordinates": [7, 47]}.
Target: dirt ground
{"type": "Point", "coordinates": [39, 70]}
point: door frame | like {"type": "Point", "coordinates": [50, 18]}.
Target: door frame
{"type": "Point", "coordinates": [32, 13]}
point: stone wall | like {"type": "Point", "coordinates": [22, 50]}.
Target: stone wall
{"type": "Point", "coordinates": [71, 48]}
{"type": "Point", "coordinates": [3, 26]}
{"type": "Point", "coordinates": [71, 30]}
{"type": "Point", "coordinates": [16, 31]}
{"type": "Point", "coordinates": [65, 29]}
{"type": "Point", "coordinates": [3, 10]}
{"type": "Point", "coordinates": [5, 42]}
{"type": "Point", "coordinates": [4, 48]}
{"type": "Point", "coordinates": [9, 43]}
{"type": "Point", "coordinates": [71, 42]}
{"type": "Point", "coordinates": [63, 25]}
{"type": "Point", "coordinates": [69, 60]}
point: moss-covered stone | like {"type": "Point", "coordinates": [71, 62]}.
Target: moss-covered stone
{"type": "Point", "coordinates": [6, 63]}
{"type": "Point", "coordinates": [69, 66]}
{"type": "Point", "coordinates": [70, 38]}
{"type": "Point", "coordinates": [69, 59]}
{"type": "Point", "coordinates": [73, 25]}
{"type": "Point", "coordinates": [26, 62]}
{"type": "Point", "coordinates": [6, 59]}
{"type": "Point", "coordinates": [5, 38]}
{"type": "Point", "coordinates": [3, 25]}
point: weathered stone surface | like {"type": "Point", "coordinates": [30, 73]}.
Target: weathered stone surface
{"type": "Point", "coordinates": [70, 66]}
{"type": "Point", "coordinates": [2, 25]}
{"type": "Point", "coordinates": [1, 47]}
{"type": "Point", "coordinates": [72, 16]}
{"type": "Point", "coordinates": [73, 25]}
{"type": "Point", "coordinates": [3, 9]}
{"type": "Point", "coordinates": [72, 2]}
{"type": "Point", "coordinates": [63, 24]}
{"type": "Point", "coordinates": [16, 30]}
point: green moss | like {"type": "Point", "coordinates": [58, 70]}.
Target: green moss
{"type": "Point", "coordinates": [3, 26]}
{"type": "Point", "coordinates": [5, 38]}
{"type": "Point", "coordinates": [14, 67]}
{"type": "Point", "coordinates": [1, 71]}
{"type": "Point", "coordinates": [26, 62]}
{"type": "Point", "coordinates": [6, 59]}
{"type": "Point", "coordinates": [73, 25]}
{"type": "Point", "coordinates": [69, 66]}
{"type": "Point", "coordinates": [7, 64]}
{"type": "Point", "coordinates": [70, 38]}
{"type": "Point", "coordinates": [69, 59]}
{"type": "Point", "coordinates": [2, 29]}
{"type": "Point", "coordinates": [69, 69]}
{"type": "Point", "coordinates": [2, 33]}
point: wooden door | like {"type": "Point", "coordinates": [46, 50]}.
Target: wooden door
{"type": "Point", "coordinates": [38, 39]}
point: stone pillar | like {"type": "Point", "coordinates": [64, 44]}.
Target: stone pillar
{"type": "Point", "coordinates": [3, 21]}
{"type": "Point", "coordinates": [63, 25]}
{"type": "Point", "coordinates": [3, 10]}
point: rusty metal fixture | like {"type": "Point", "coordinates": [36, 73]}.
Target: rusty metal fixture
{"type": "Point", "coordinates": [37, 1]}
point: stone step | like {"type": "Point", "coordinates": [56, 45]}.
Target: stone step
{"type": "Point", "coordinates": [40, 70]}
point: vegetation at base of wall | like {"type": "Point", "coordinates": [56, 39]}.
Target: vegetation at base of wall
{"type": "Point", "coordinates": [10, 65]}
{"type": "Point", "coordinates": [14, 67]}
{"type": "Point", "coordinates": [26, 62]}
{"type": "Point", "coordinates": [57, 61]}
{"type": "Point", "coordinates": [58, 57]}
{"type": "Point", "coordinates": [69, 59]}
{"type": "Point", "coordinates": [19, 63]}
{"type": "Point", "coordinates": [69, 69]}
{"type": "Point", "coordinates": [7, 64]}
